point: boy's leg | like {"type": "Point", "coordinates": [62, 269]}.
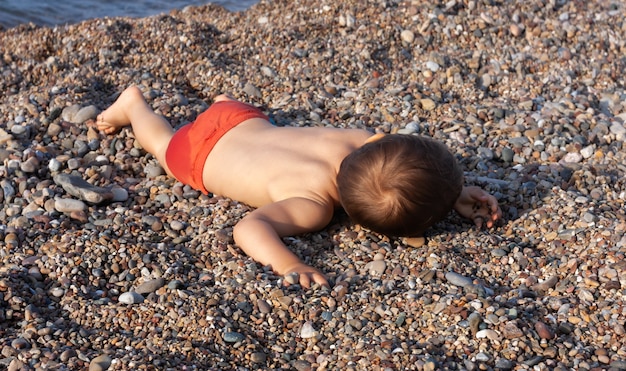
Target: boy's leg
{"type": "Point", "coordinates": [152, 131]}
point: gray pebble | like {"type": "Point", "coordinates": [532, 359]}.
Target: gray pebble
{"type": "Point", "coordinates": [376, 268]}
{"type": "Point", "coordinates": [458, 280]}
{"type": "Point", "coordinates": [258, 357]}
{"type": "Point", "coordinates": [153, 170]}
{"type": "Point", "coordinates": [233, 337]}
{"type": "Point", "coordinates": [100, 363]}
{"type": "Point", "coordinates": [150, 286]}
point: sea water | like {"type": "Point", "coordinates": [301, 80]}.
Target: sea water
{"type": "Point", "coordinates": [59, 12]}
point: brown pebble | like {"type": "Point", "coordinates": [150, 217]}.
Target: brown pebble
{"type": "Point", "coordinates": [258, 357]}
{"type": "Point", "coordinates": [415, 241]}
{"type": "Point", "coordinates": [544, 331]}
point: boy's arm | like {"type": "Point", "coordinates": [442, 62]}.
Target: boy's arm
{"type": "Point", "coordinates": [259, 235]}
{"type": "Point", "coordinates": [478, 206]}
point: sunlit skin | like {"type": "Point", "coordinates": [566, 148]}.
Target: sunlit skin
{"type": "Point", "coordinates": [288, 174]}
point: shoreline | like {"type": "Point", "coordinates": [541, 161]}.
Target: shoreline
{"type": "Point", "coordinates": [530, 98]}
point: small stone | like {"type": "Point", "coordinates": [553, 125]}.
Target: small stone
{"type": "Point", "coordinates": [252, 91]}
{"type": "Point", "coordinates": [258, 357]}
{"type": "Point", "coordinates": [301, 365]}
{"type": "Point", "coordinates": [67, 355]}
{"type": "Point", "coordinates": [68, 205]}
{"type": "Point", "coordinates": [376, 268]}
{"type": "Point", "coordinates": [415, 241]}
{"type": "Point", "coordinates": [177, 225]}
{"type": "Point", "coordinates": [487, 333]}
{"type": "Point", "coordinates": [16, 365]}
{"type": "Point", "coordinates": [407, 36]}
{"type": "Point", "coordinates": [130, 297]}
{"type": "Point", "coordinates": [233, 337]}
{"type": "Point", "coordinates": [433, 66]}
{"type": "Point", "coordinates": [511, 331]}
{"type": "Point", "coordinates": [20, 343]}
{"type": "Point", "coordinates": [100, 363]}
{"type": "Point", "coordinates": [547, 284]}
{"type": "Point", "coordinates": [69, 112]}
{"type": "Point", "coordinates": [150, 286]}
{"type": "Point", "coordinates": [153, 170]}
{"type": "Point", "coordinates": [264, 307]}
{"type": "Point", "coordinates": [30, 166]}
{"type": "Point", "coordinates": [307, 331]}
{"type": "Point", "coordinates": [292, 278]}
{"type": "Point", "coordinates": [84, 114]}
{"type": "Point", "coordinates": [119, 194]}
{"type": "Point", "coordinates": [57, 292]}
{"type": "Point", "coordinates": [428, 104]}
{"type": "Point", "coordinates": [78, 187]}
{"type": "Point", "coordinates": [516, 30]}
{"type": "Point", "coordinates": [543, 330]}
{"type": "Point", "coordinates": [458, 280]}
{"type": "Point", "coordinates": [619, 365]}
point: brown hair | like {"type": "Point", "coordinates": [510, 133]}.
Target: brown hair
{"type": "Point", "coordinates": [399, 185]}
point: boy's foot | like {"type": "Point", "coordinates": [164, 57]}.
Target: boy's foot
{"type": "Point", "coordinates": [115, 117]}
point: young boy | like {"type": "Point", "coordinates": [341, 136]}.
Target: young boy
{"type": "Point", "coordinates": [296, 177]}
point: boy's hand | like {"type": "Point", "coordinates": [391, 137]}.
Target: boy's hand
{"type": "Point", "coordinates": [478, 206]}
{"type": "Point", "coordinates": [306, 275]}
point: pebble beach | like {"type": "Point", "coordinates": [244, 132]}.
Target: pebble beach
{"type": "Point", "coordinates": [108, 264]}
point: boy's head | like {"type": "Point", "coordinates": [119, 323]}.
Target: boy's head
{"type": "Point", "coordinates": [399, 185]}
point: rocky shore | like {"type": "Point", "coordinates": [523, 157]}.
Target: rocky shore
{"type": "Point", "coordinates": [106, 263]}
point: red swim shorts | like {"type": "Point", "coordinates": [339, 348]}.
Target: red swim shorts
{"type": "Point", "coordinates": [191, 144]}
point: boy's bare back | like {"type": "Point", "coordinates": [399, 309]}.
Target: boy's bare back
{"type": "Point", "coordinates": [258, 163]}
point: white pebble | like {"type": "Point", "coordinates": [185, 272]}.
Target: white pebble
{"type": "Point", "coordinates": [68, 205]}
{"type": "Point", "coordinates": [487, 333]}
{"type": "Point", "coordinates": [407, 36]}
{"type": "Point", "coordinates": [433, 66]}
{"type": "Point", "coordinates": [119, 194]}
{"type": "Point", "coordinates": [307, 331]}
{"type": "Point", "coordinates": [376, 267]}
{"type": "Point", "coordinates": [130, 298]}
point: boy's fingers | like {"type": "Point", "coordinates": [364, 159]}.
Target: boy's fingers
{"type": "Point", "coordinates": [305, 280]}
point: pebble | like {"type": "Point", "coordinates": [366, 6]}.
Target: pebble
{"type": "Point", "coordinates": [150, 286]}
{"type": "Point", "coordinates": [131, 297]}
{"type": "Point", "coordinates": [80, 188]}
{"type": "Point", "coordinates": [258, 357]}
{"type": "Point", "coordinates": [307, 331]}
{"type": "Point", "coordinates": [407, 36]}
{"type": "Point", "coordinates": [458, 280]}
{"type": "Point", "coordinates": [376, 268]}
{"type": "Point", "coordinates": [487, 333]}
{"type": "Point", "coordinates": [543, 330]}
{"type": "Point", "coordinates": [233, 337]}
{"type": "Point", "coordinates": [100, 363]}
{"type": "Point", "coordinates": [68, 205]}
